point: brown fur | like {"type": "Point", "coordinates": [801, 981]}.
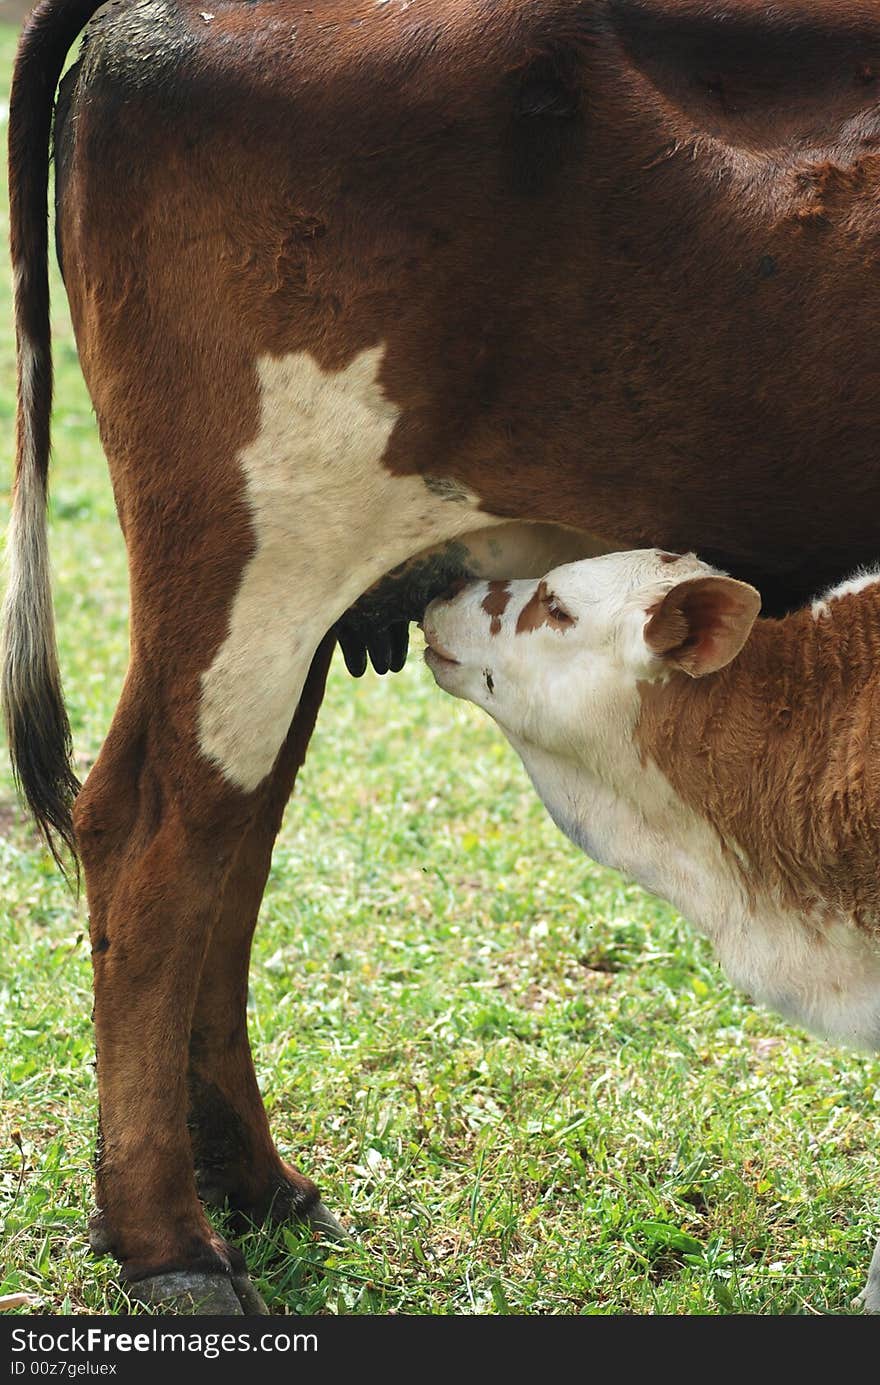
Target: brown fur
{"type": "Point", "coordinates": [778, 753]}
{"type": "Point", "coordinates": [380, 251]}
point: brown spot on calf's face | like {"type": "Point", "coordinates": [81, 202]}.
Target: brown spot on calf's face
{"type": "Point", "coordinates": [541, 609]}
{"type": "Point", "coordinates": [534, 613]}
{"type": "Point", "coordinates": [495, 603]}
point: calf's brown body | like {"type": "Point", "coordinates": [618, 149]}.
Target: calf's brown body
{"type": "Point", "coordinates": [621, 257]}
{"type": "Point", "coordinates": [777, 752]}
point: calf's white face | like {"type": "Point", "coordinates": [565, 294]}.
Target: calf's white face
{"type": "Point", "coordinates": [557, 662]}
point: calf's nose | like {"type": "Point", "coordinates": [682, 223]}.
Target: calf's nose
{"type": "Point", "coordinates": [448, 594]}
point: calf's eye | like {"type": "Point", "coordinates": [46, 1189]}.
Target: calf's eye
{"type": "Point", "coordinates": [558, 613]}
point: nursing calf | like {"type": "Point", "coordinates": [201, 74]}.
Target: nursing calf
{"type": "Point", "coordinates": [725, 763]}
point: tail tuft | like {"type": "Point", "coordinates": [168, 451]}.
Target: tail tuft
{"type": "Point", "coordinates": [37, 726]}
{"type": "Point", "coordinates": [36, 720]}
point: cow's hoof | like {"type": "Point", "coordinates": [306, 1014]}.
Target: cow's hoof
{"type": "Point", "coordinates": [282, 1205]}
{"type": "Point", "coordinates": [325, 1225]}
{"type": "Point", "coordinates": [286, 1206]}
{"type": "Point", "coordinates": [99, 1241]}
{"type": "Point", "coordinates": [253, 1305]}
{"type": "Point", "coordinates": [187, 1292]}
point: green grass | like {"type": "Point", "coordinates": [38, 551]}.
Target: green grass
{"type": "Point", "coordinates": [521, 1081]}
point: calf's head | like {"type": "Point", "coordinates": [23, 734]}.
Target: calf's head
{"type": "Point", "coordinates": [557, 663]}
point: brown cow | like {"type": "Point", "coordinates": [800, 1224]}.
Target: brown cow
{"type": "Point", "coordinates": [350, 282]}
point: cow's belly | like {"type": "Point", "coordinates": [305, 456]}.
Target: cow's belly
{"type": "Point", "coordinates": [329, 522]}
{"type": "Point", "coordinates": [379, 620]}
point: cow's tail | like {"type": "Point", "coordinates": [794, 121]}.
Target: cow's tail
{"type": "Point", "coordinates": [36, 719]}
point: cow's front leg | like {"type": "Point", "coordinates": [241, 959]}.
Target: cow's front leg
{"type": "Point", "coordinates": [235, 1157]}
{"type": "Point", "coordinates": [159, 832]}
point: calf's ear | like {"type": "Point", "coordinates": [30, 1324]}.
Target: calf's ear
{"type": "Point", "coordinates": [701, 624]}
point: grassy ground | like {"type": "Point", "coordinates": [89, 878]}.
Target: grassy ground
{"type": "Point", "coordinates": [521, 1081]}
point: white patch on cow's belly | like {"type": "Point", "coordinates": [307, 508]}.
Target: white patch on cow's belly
{"type": "Point", "coordinates": [329, 519]}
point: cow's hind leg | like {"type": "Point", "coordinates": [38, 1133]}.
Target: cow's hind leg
{"type": "Point", "coordinates": [159, 831]}
{"type": "Point", "coordinates": [235, 1157]}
